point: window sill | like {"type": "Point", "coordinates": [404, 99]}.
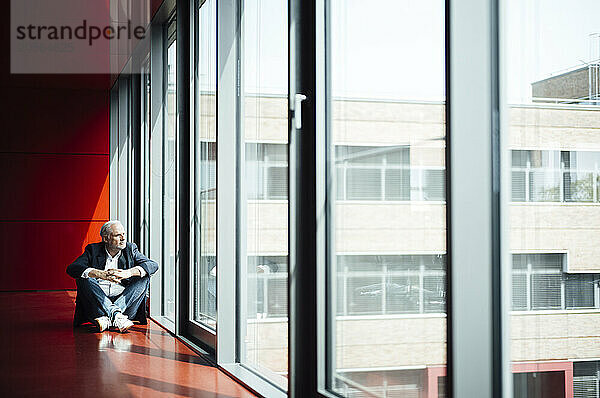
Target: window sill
{"type": "Point", "coordinates": [390, 316]}
{"type": "Point", "coordinates": [252, 381]}
{"type": "Point", "coordinates": [360, 317]}
{"type": "Point", "coordinates": [520, 203]}
{"type": "Point", "coordinates": [164, 322]}
{"type": "Point", "coordinates": [557, 312]}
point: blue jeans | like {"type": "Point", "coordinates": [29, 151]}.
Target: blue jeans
{"type": "Point", "coordinates": [98, 304]}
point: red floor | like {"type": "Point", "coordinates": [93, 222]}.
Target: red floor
{"type": "Point", "coordinates": [42, 355]}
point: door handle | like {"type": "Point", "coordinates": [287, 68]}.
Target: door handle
{"type": "Point", "coordinates": [298, 99]}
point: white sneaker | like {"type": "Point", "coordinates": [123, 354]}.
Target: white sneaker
{"type": "Point", "coordinates": [102, 323]}
{"type": "Point", "coordinates": [122, 322]}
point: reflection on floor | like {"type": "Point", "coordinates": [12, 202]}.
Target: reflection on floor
{"type": "Point", "coordinates": [42, 355]}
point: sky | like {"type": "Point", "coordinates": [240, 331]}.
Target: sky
{"type": "Point", "coordinates": [394, 49]}
{"type": "Point", "coordinates": [545, 37]}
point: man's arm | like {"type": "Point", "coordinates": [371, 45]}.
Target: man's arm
{"type": "Point", "coordinates": [139, 260]}
{"type": "Point", "coordinates": [142, 266]}
{"type": "Point", "coordinates": [81, 263]}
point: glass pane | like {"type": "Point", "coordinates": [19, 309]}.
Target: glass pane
{"type": "Point", "coordinates": [580, 289]}
{"type": "Point", "coordinates": [552, 90]}
{"type": "Point", "coordinates": [545, 291]}
{"type": "Point", "coordinates": [389, 216]}
{"type": "Point", "coordinates": [366, 295]}
{"type": "Point", "coordinates": [586, 380]}
{"type": "Point", "coordinates": [155, 202]}
{"type": "Point", "coordinates": [389, 383]}
{"type": "Point", "coordinates": [434, 293]}
{"type": "Point", "coordinates": [277, 296]}
{"type": "Point", "coordinates": [204, 273]}
{"type": "Point", "coordinates": [520, 158]}
{"type": "Point", "coordinates": [397, 184]}
{"type": "Point", "coordinates": [363, 184]}
{"type": "Point", "coordinates": [169, 190]}
{"type": "Point", "coordinates": [545, 261]}
{"type": "Point", "coordinates": [519, 292]}
{"type": "Point", "coordinates": [434, 185]}
{"type": "Point", "coordinates": [263, 267]}
{"type": "Point", "coordinates": [519, 184]}
{"type": "Point", "coordinates": [544, 185]}
{"type": "Point", "coordinates": [579, 186]}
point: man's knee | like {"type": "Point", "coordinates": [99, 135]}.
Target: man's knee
{"type": "Point", "coordinates": [146, 281]}
{"type": "Point", "coordinates": [142, 279]}
{"type": "Point", "coordinates": [88, 287]}
{"type": "Point", "coordinates": [140, 282]}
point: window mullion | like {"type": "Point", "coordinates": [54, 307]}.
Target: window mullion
{"type": "Point", "coordinates": [421, 287]}
{"type": "Point", "coordinates": [528, 282]}
{"type": "Point", "coordinates": [384, 277]}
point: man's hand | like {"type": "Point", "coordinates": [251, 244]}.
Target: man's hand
{"type": "Point", "coordinates": [106, 275]}
{"type": "Point", "coordinates": [122, 273]}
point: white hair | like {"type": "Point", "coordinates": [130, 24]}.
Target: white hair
{"type": "Point", "coordinates": [106, 228]}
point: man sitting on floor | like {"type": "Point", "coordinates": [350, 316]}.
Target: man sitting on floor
{"type": "Point", "coordinates": [112, 280]}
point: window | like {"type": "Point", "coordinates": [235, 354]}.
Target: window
{"type": "Point", "coordinates": [555, 176]}
{"type": "Point", "coordinates": [263, 192]}
{"type": "Point", "coordinates": [586, 379]}
{"type": "Point", "coordinates": [204, 161]}
{"type": "Point", "coordinates": [540, 284]}
{"type": "Point", "coordinates": [162, 174]}
{"type": "Point", "coordinates": [545, 384]}
{"type": "Point", "coordinates": [404, 284]}
{"type": "Point", "coordinates": [386, 160]}
{"type": "Point", "coordinates": [551, 115]}
{"type": "Point", "coordinates": [170, 177]}
{"type": "Point", "coordinates": [384, 383]}
{"type": "Point", "coordinates": [385, 173]}
{"type": "Point", "coordinates": [580, 176]}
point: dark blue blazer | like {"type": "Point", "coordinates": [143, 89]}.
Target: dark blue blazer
{"type": "Point", "coordinates": [94, 256]}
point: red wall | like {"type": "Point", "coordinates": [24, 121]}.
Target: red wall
{"type": "Point", "coordinates": [54, 167]}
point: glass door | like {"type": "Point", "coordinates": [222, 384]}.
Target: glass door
{"type": "Point", "coordinates": [263, 199]}
{"type": "Point", "coordinates": [203, 272]}
{"type": "Point", "coordinates": [387, 143]}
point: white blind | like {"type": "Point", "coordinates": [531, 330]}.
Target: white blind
{"type": "Point", "coordinates": [434, 187]}
{"type": "Point", "coordinates": [397, 184]}
{"type": "Point", "coordinates": [518, 186]}
{"type": "Point", "coordinates": [545, 291]}
{"type": "Point", "coordinates": [519, 292]}
{"type": "Point", "coordinates": [363, 184]}
{"type": "Point", "coordinates": [585, 387]}
{"type": "Point", "coordinates": [580, 291]}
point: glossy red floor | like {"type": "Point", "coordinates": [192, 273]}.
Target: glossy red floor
{"type": "Point", "coordinates": [42, 355]}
